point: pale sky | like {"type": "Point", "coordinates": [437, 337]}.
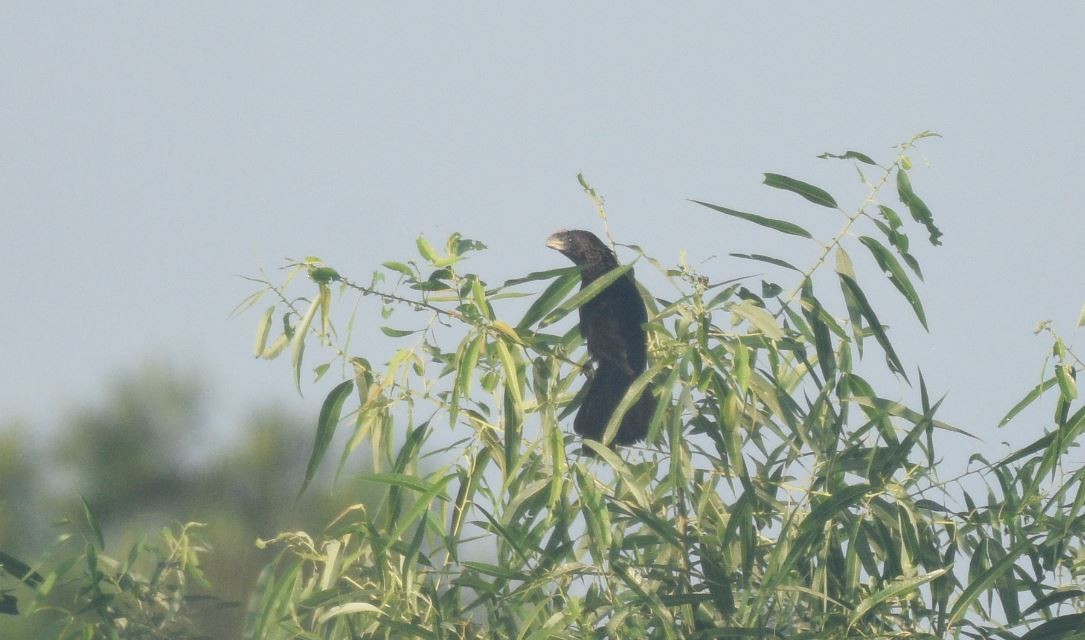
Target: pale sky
{"type": "Point", "coordinates": [152, 152]}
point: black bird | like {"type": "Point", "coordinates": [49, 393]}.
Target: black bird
{"type": "Point", "coordinates": [612, 323]}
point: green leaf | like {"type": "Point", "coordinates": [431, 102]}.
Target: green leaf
{"type": "Point", "coordinates": [466, 367]}
{"type": "Point", "coordinates": [495, 571]}
{"type": "Point", "coordinates": [875, 325]}
{"type": "Point", "coordinates": [586, 294]}
{"type": "Point", "coordinates": [1036, 392]}
{"type": "Point", "coordinates": [535, 276]}
{"type": "Point", "coordinates": [778, 225]}
{"type": "Point", "coordinates": [325, 428]}
{"type": "Point", "coordinates": [823, 342]}
{"type": "Point", "coordinates": [811, 531]}
{"type": "Point", "coordinates": [983, 581]}
{"type": "Point", "coordinates": [896, 274]}
{"type": "Point", "coordinates": [806, 190]}
{"type": "Point", "coordinates": [397, 333]}
{"type": "Point", "coordinates": [469, 483]}
{"type": "Point", "coordinates": [414, 483]}
{"type": "Point", "coordinates": [916, 206]}
{"type": "Point", "coordinates": [849, 155]}
{"type": "Point", "coordinates": [632, 395]}
{"type": "Point", "coordinates": [550, 298]}
{"type": "Point", "coordinates": [759, 319]}
{"type": "Point", "coordinates": [855, 316]}
{"type": "Point", "coordinates": [1064, 372]}
{"type": "Point", "coordinates": [769, 259]}
{"type": "Point", "coordinates": [345, 609]}
{"type": "Point", "coordinates": [420, 506]}
{"type": "Point", "coordinates": [92, 520]}
{"type": "Point", "coordinates": [894, 590]}
{"type": "Point", "coordinates": [1064, 627]}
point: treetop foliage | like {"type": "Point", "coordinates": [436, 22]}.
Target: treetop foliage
{"type": "Point", "coordinates": [778, 494]}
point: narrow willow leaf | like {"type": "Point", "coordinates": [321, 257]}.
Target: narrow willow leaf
{"type": "Point", "coordinates": [250, 299]}
{"type": "Point", "coordinates": [1036, 392]}
{"type": "Point", "coordinates": [849, 155]}
{"type": "Point", "coordinates": [897, 455]}
{"type": "Point", "coordinates": [504, 329]}
{"type": "Point", "coordinates": [275, 348]}
{"type": "Point", "coordinates": [325, 428]}
{"type": "Point", "coordinates": [916, 206]}
{"type": "Point", "coordinates": [896, 274]}
{"type": "Point", "coordinates": [401, 268]}
{"type": "Point", "coordinates": [1067, 387]}
{"type": "Point", "coordinates": [742, 367]}
{"type": "Point", "coordinates": [1065, 627]}
{"type": "Point", "coordinates": [348, 608]}
{"type": "Point", "coordinates": [406, 480]}
{"type": "Point", "coordinates": [496, 571]}
{"type": "Point", "coordinates": [811, 530]}
{"type": "Point", "coordinates": [758, 318]}
{"type": "Point", "coordinates": [325, 313]}
{"type": "Point", "coordinates": [550, 297]}
{"type": "Point", "coordinates": [262, 331]}
{"type": "Point", "coordinates": [586, 294]}
{"type": "Point", "coordinates": [512, 379]}
{"type": "Point", "coordinates": [397, 333]}
{"type": "Point", "coordinates": [297, 345]}
{"type": "Point", "coordinates": [981, 582]}
{"type": "Point", "coordinates": [1053, 598]}
{"type": "Point", "coordinates": [420, 506]}
{"type": "Point", "coordinates": [855, 315]}
{"type": "Point", "coordinates": [874, 324]}
{"type": "Point", "coordinates": [465, 497]}
{"type": "Point", "coordinates": [632, 395]}
{"type": "Point", "coordinates": [466, 371]}
{"type": "Point", "coordinates": [92, 520]}
{"type": "Point", "coordinates": [769, 259]}
{"type": "Point", "coordinates": [779, 225]}
{"type": "Point", "coordinates": [894, 590]}
{"type": "Point", "coordinates": [535, 276]}
{"type": "Point", "coordinates": [890, 216]}
{"type": "Point", "coordinates": [425, 249]}
{"type": "Point", "coordinates": [823, 342]}
{"type": "Point", "coordinates": [804, 189]}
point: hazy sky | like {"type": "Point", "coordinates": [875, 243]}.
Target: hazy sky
{"type": "Point", "coordinates": [152, 152]}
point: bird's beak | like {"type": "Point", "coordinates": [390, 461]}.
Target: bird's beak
{"type": "Point", "coordinates": [556, 241]}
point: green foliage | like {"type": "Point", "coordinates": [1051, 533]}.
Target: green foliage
{"type": "Point", "coordinates": [144, 595]}
{"type": "Point", "coordinates": [779, 494]}
{"type": "Point", "coordinates": [142, 459]}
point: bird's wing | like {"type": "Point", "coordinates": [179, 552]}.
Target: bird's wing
{"type": "Point", "coordinates": [603, 329]}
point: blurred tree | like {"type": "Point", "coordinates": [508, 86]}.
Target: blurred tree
{"type": "Point", "coordinates": [140, 460]}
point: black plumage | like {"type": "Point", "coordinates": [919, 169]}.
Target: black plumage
{"type": "Point", "coordinates": [612, 323]}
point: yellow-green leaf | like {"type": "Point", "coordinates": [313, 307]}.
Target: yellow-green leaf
{"type": "Point", "coordinates": [262, 331]}
{"type": "Point", "coordinates": [297, 347]}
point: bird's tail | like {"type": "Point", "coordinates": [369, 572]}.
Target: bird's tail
{"type": "Point", "coordinates": [608, 387]}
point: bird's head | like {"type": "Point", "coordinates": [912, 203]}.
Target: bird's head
{"type": "Point", "coordinates": [584, 249]}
